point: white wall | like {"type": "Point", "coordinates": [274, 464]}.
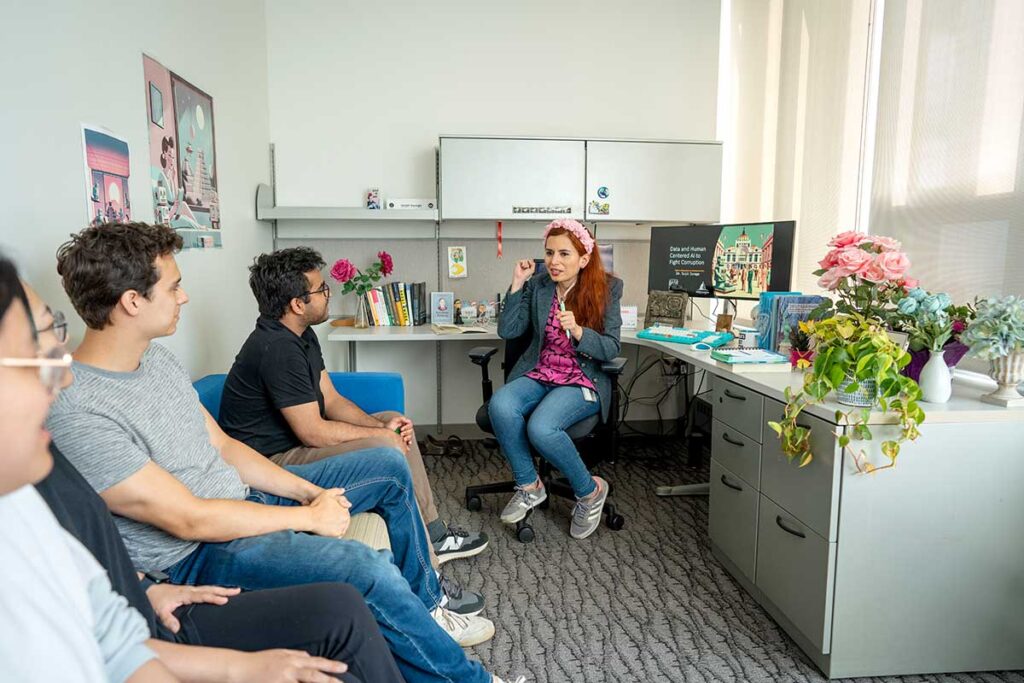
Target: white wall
{"type": "Point", "coordinates": [360, 92]}
{"type": "Point", "coordinates": [69, 62]}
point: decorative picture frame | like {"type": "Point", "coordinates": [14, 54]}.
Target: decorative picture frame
{"type": "Point", "coordinates": [666, 308]}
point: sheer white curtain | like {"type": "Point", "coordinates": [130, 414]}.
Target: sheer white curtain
{"type": "Point", "coordinates": [948, 173]}
{"type": "Point", "coordinates": [791, 113]}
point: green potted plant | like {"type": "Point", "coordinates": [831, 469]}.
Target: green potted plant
{"type": "Point", "coordinates": [997, 335]}
{"type": "Point", "coordinates": [856, 359]}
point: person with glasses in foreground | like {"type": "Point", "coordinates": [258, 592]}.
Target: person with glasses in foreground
{"type": "Point", "coordinates": [295, 634]}
{"type": "Point", "coordinates": [279, 400]}
{"type": "Point", "coordinates": [59, 617]}
{"type": "Point", "coordinates": [194, 503]}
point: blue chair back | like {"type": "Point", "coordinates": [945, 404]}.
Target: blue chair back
{"type": "Point", "coordinates": [373, 392]}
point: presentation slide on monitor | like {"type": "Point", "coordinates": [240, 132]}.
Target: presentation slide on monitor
{"type": "Point", "coordinates": [729, 261]}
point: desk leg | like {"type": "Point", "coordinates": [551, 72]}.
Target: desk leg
{"type": "Point", "coordinates": [691, 444]}
{"type": "Point", "coordinates": [351, 355]}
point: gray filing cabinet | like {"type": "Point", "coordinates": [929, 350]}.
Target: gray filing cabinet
{"type": "Point", "coordinates": [874, 575]}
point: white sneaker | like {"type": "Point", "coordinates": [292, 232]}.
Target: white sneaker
{"type": "Point", "coordinates": [495, 679]}
{"type": "Point", "coordinates": [464, 630]}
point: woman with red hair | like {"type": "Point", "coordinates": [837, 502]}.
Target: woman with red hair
{"type": "Point", "coordinates": [572, 315]}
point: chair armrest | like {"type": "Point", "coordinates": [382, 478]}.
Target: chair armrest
{"type": "Point", "coordinates": [481, 355]}
{"type": "Point", "coordinates": [614, 366]}
{"type": "Point", "coordinates": [373, 392]}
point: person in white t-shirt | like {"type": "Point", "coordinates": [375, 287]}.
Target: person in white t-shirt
{"type": "Point", "coordinates": [59, 618]}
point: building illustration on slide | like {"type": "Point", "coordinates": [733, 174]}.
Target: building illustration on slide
{"type": "Point", "coordinates": [743, 258]}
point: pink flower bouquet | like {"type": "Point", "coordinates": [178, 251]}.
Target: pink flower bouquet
{"type": "Point", "coordinates": [868, 273]}
{"type": "Point", "coordinates": [360, 282]}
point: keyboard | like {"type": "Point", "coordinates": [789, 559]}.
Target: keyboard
{"type": "Point", "coordinates": [684, 335]}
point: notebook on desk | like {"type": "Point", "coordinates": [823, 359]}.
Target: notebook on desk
{"type": "Point", "coordinates": [448, 328]}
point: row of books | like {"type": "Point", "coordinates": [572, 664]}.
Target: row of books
{"type": "Point", "coordinates": [401, 304]}
{"type": "Point", "coordinates": [780, 312]}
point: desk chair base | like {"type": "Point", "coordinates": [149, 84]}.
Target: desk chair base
{"type": "Point", "coordinates": [555, 487]}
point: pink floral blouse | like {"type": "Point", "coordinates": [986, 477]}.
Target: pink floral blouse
{"type": "Point", "coordinates": [557, 363]}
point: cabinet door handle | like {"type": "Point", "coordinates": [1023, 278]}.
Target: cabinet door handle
{"type": "Point", "coordinates": [734, 442]}
{"type": "Point", "coordinates": [734, 487]}
{"type": "Point", "coordinates": [795, 532]}
{"type": "Point", "coordinates": [735, 396]}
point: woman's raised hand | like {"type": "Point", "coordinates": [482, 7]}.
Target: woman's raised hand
{"type": "Point", "coordinates": [523, 271]}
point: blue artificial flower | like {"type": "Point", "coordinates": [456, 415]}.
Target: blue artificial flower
{"type": "Point", "coordinates": [907, 306]}
{"type": "Point", "coordinates": [944, 300]}
{"type": "Point", "coordinates": [931, 304]}
{"type": "Point", "coordinates": [917, 293]}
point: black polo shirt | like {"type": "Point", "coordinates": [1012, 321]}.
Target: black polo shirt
{"type": "Point", "coordinates": [275, 369]}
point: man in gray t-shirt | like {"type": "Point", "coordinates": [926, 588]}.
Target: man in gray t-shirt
{"type": "Point", "coordinates": [207, 509]}
{"type": "Point", "coordinates": [115, 425]}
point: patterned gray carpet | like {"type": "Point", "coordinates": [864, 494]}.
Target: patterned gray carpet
{"type": "Point", "coordinates": [648, 603]}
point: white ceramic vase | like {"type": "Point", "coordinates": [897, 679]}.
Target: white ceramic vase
{"type": "Point", "coordinates": [1008, 372]}
{"type": "Point", "coordinates": [936, 380]}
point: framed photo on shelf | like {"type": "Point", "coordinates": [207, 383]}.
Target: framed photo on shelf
{"type": "Point", "coordinates": [442, 307]}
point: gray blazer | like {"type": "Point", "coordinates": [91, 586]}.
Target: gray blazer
{"type": "Point", "coordinates": [529, 307]}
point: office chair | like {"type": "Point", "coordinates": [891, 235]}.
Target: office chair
{"type": "Point", "coordinates": [589, 435]}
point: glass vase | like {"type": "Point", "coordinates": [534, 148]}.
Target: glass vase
{"type": "Point", "coordinates": [361, 319]}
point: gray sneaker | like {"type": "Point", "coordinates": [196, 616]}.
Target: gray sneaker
{"type": "Point", "coordinates": [586, 517]}
{"type": "Point", "coordinates": [522, 502]}
{"type": "Point", "coordinates": [459, 600]}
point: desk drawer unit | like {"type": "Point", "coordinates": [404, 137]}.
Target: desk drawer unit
{"type": "Point", "coordinates": [732, 518]}
{"type": "Point", "coordinates": [738, 407]}
{"type": "Point", "coordinates": [810, 493]}
{"type": "Point", "coordinates": [796, 572]}
{"type": "Point", "coordinates": [736, 451]}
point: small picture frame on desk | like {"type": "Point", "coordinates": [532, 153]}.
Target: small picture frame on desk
{"type": "Point", "coordinates": [442, 307]}
{"type": "Point", "coordinates": [666, 308]}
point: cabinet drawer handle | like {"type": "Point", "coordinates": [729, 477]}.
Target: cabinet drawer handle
{"type": "Point", "coordinates": [795, 532]}
{"type": "Point", "coordinates": [735, 396]}
{"type": "Point", "coordinates": [734, 442]}
{"type": "Point", "coordinates": [734, 487]}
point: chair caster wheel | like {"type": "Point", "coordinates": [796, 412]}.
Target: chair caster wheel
{"type": "Point", "coordinates": [615, 522]}
{"type": "Point", "coordinates": [473, 503]}
{"type": "Point", "coordinates": [524, 532]}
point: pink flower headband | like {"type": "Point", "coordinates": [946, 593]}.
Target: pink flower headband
{"type": "Point", "coordinates": [576, 228]}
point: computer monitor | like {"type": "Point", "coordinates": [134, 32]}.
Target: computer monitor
{"type": "Point", "coordinates": [725, 261]}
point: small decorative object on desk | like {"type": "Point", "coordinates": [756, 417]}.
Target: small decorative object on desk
{"type": "Point", "coordinates": [997, 335]}
{"type": "Point", "coordinates": [800, 352]}
{"type": "Point", "coordinates": [458, 312]}
{"type": "Point", "coordinates": [668, 308]}
{"type": "Point", "coordinates": [373, 198]}
{"type": "Point", "coordinates": [629, 319]}
{"type": "Point", "coordinates": [441, 307]}
{"type": "Point", "coordinates": [354, 280]}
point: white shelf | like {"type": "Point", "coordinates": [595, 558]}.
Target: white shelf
{"type": "Point", "coordinates": [266, 211]}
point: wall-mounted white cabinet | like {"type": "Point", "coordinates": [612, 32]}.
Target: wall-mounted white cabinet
{"type": "Point", "coordinates": [654, 182]}
{"type": "Point", "coordinates": [488, 178]}
{"type": "Point", "coordinates": [511, 178]}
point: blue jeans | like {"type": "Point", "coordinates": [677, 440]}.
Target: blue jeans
{"type": "Point", "coordinates": [400, 597]}
{"type": "Point", "coordinates": [525, 412]}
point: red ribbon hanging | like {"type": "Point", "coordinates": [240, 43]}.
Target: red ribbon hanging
{"type": "Point", "coordinates": [499, 239]}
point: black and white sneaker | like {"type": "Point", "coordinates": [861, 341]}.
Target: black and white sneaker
{"type": "Point", "coordinates": [458, 543]}
{"type": "Point", "coordinates": [459, 600]}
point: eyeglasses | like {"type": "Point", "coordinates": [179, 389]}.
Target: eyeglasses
{"type": "Point", "coordinates": [324, 289]}
{"type": "Point", "coordinates": [59, 327]}
{"type": "Point", "coordinates": [53, 365]}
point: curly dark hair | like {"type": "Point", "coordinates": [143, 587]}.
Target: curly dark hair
{"type": "Point", "coordinates": [101, 263]}
{"type": "Point", "coordinates": [280, 276]}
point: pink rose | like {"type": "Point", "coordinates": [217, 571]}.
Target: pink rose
{"type": "Point", "coordinates": [894, 264]}
{"type": "Point", "coordinates": [851, 260]}
{"type": "Point", "coordinates": [831, 259]}
{"type": "Point", "coordinates": [872, 272]}
{"type": "Point", "coordinates": [847, 239]}
{"type": "Point", "coordinates": [910, 283]}
{"type": "Point", "coordinates": [387, 264]}
{"type": "Point", "coordinates": [885, 244]}
{"type": "Point", "coordinates": [343, 270]}
{"type": "Point", "coordinates": [831, 279]}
